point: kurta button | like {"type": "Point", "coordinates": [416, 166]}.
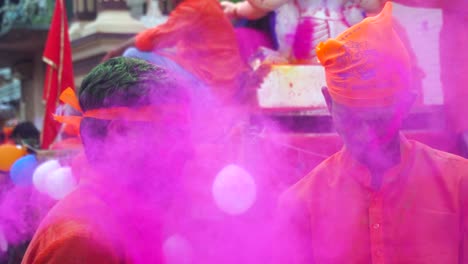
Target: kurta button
{"type": "Point", "coordinates": [376, 226]}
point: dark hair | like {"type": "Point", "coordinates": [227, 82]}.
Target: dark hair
{"type": "Point", "coordinates": [126, 82]}
{"type": "Point", "coordinates": [120, 82]}
{"type": "Point", "coordinates": [26, 132]}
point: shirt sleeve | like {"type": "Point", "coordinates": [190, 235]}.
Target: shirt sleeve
{"type": "Point", "coordinates": [184, 16]}
{"type": "Point", "coordinates": [145, 40]}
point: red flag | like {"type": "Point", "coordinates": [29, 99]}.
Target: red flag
{"type": "Point", "coordinates": [59, 73]}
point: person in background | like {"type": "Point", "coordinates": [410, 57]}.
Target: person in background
{"type": "Point", "coordinates": [301, 25]}
{"type": "Point", "coordinates": [21, 207]}
{"type": "Point", "coordinates": [26, 133]}
{"type": "Point", "coordinates": [382, 198]}
{"type": "Point", "coordinates": [197, 42]}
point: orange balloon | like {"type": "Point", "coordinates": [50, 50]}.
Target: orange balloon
{"type": "Point", "coordinates": [9, 154]}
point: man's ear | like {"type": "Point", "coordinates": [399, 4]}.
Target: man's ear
{"type": "Point", "coordinates": [327, 97]}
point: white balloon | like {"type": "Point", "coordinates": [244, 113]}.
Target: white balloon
{"type": "Point", "coordinates": [177, 250]}
{"type": "Point", "coordinates": [41, 172]}
{"type": "Point", "coordinates": [234, 190]}
{"type": "Point", "coordinates": [60, 182]}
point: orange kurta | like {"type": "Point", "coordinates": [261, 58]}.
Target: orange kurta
{"type": "Point", "coordinates": [200, 38]}
{"type": "Point", "coordinates": [68, 242]}
{"type": "Point", "coordinates": [420, 215]}
{"type": "Point", "coordinates": [69, 234]}
{"type": "Point", "coordinates": [91, 226]}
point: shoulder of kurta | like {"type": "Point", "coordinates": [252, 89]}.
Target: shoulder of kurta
{"type": "Point", "coordinates": [448, 160]}
{"type": "Point", "coordinates": [453, 168]}
{"type": "Point", "coordinates": [302, 191]}
{"type": "Point", "coordinates": [319, 174]}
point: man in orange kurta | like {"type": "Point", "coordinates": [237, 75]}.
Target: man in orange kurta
{"type": "Point", "coordinates": [382, 198]}
{"type": "Point", "coordinates": [134, 128]}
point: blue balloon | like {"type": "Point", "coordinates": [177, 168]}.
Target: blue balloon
{"type": "Point", "coordinates": [22, 170]}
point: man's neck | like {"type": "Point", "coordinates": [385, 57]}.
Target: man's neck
{"type": "Point", "coordinates": [381, 162]}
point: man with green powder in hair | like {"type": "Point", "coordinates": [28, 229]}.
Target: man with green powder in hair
{"type": "Point", "coordinates": [134, 130]}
